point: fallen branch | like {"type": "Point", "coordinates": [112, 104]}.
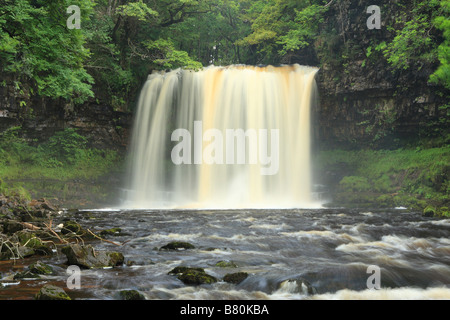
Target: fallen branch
{"type": "Point", "coordinates": [30, 226]}
{"type": "Point", "coordinates": [53, 231]}
{"type": "Point", "coordinates": [109, 241]}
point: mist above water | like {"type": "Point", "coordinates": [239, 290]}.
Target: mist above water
{"type": "Point", "coordinates": [198, 118]}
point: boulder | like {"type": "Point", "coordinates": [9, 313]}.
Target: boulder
{"type": "Point", "coordinates": [86, 257]}
{"type": "Point", "coordinates": [226, 264]}
{"type": "Point", "coordinates": [181, 269]}
{"type": "Point", "coordinates": [177, 245]}
{"type": "Point", "coordinates": [235, 278]}
{"type": "Point", "coordinates": [51, 292]}
{"type": "Point", "coordinates": [131, 295]}
{"type": "Point", "coordinates": [72, 227]}
{"type": "Point", "coordinates": [40, 268]}
{"type": "Point", "coordinates": [193, 276]}
{"type": "Point", "coordinates": [298, 285]}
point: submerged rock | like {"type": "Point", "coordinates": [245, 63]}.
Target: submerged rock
{"type": "Point", "coordinates": [226, 264]}
{"type": "Point", "coordinates": [86, 257]}
{"type": "Point", "coordinates": [181, 269]}
{"type": "Point", "coordinates": [235, 278]}
{"type": "Point", "coordinates": [50, 292]}
{"type": "Point", "coordinates": [193, 276]}
{"type": "Point", "coordinates": [34, 271]}
{"type": "Point", "coordinates": [298, 285]}
{"type": "Point", "coordinates": [27, 274]}
{"type": "Point", "coordinates": [72, 226]}
{"type": "Point", "coordinates": [131, 295]}
{"type": "Point", "coordinates": [40, 268]}
{"type": "Point", "coordinates": [177, 245]}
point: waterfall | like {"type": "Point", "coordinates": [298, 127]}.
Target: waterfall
{"type": "Point", "coordinates": [223, 137]}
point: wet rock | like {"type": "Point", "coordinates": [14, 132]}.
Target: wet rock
{"type": "Point", "coordinates": [429, 211]}
{"type": "Point", "coordinates": [40, 268]}
{"type": "Point", "coordinates": [298, 285]}
{"type": "Point", "coordinates": [31, 240]}
{"type": "Point", "coordinates": [181, 269]}
{"type": "Point", "coordinates": [131, 295]}
{"type": "Point", "coordinates": [110, 232]}
{"type": "Point", "coordinates": [72, 227]}
{"type": "Point", "coordinates": [27, 274]}
{"type": "Point", "coordinates": [42, 204]}
{"type": "Point", "coordinates": [34, 271]}
{"type": "Point", "coordinates": [194, 277]}
{"type": "Point", "coordinates": [235, 278]}
{"type": "Point", "coordinates": [226, 264]}
{"type": "Point", "coordinates": [24, 252]}
{"type": "Point", "coordinates": [87, 257]}
{"type": "Point", "coordinates": [11, 226]}
{"type": "Point", "coordinates": [176, 245]}
{"type": "Point", "coordinates": [50, 292]}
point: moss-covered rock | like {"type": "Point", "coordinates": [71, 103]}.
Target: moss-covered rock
{"type": "Point", "coordinates": [131, 295]}
{"type": "Point", "coordinates": [40, 268]}
{"type": "Point", "coordinates": [226, 264]}
{"type": "Point", "coordinates": [181, 269]}
{"type": "Point", "coordinates": [110, 232]}
{"type": "Point", "coordinates": [429, 211]}
{"type": "Point", "coordinates": [27, 274]}
{"type": "Point", "coordinates": [72, 227]}
{"type": "Point", "coordinates": [11, 226]}
{"type": "Point", "coordinates": [87, 257]}
{"type": "Point", "coordinates": [236, 277]}
{"type": "Point", "coordinates": [195, 277]}
{"type": "Point", "coordinates": [51, 292]}
{"type": "Point", "coordinates": [177, 245]}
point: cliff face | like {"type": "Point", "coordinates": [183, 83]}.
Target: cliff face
{"type": "Point", "coordinates": [41, 117]}
{"type": "Point", "coordinates": [362, 100]}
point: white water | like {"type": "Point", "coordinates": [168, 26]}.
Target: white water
{"type": "Point", "coordinates": [224, 98]}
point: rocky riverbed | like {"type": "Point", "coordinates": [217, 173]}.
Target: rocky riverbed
{"type": "Point", "coordinates": [228, 254]}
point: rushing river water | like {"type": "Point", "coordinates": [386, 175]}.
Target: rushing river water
{"type": "Point", "coordinates": [330, 248]}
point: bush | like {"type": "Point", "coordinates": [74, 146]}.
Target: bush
{"type": "Point", "coordinates": [66, 146]}
{"type": "Point", "coordinates": [355, 184]}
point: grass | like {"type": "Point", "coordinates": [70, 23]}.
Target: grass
{"type": "Point", "coordinates": [416, 177]}
{"type": "Point", "coordinates": [62, 167]}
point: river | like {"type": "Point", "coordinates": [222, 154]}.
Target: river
{"type": "Point", "coordinates": [330, 248]}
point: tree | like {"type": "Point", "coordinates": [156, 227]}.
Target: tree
{"type": "Point", "coordinates": [36, 45]}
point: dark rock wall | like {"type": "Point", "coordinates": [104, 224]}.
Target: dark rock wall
{"type": "Point", "coordinates": [357, 92]}
{"type": "Point", "coordinates": [42, 117]}
{"type": "Point", "coordinates": [362, 102]}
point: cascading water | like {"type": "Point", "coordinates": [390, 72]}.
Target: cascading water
{"type": "Point", "coordinates": [224, 137]}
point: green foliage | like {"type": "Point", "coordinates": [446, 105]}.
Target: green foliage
{"type": "Point", "coordinates": [403, 177]}
{"type": "Point", "coordinates": [36, 43]}
{"type": "Point", "coordinates": [138, 9]}
{"type": "Point", "coordinates": [169, 57]}
{"type": "Point", "coordinates": [416, 41]}
{"type": "Point", "coordinates": [303, 30]}
{"type": "Point", "coordinates": [64, 156]}
{"type": "Point", "coordinates": [354, 183]}
{"type": "Point", "coordinates": [281, 27]}
{"type": "Point", "coordinates": [66, 146]}
{"type": "Point", "coordinates": [442, 74]}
